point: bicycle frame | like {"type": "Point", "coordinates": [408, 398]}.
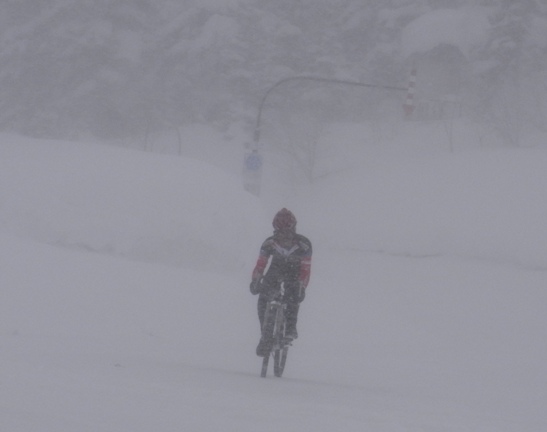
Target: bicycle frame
{"type": "Point", "coordinates": [278, 309]}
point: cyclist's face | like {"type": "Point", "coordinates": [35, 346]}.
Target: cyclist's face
{"type": "Point", "coordinates": [284, 236]}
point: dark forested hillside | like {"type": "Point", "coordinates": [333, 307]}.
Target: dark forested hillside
{"type": "Point", "coordinates": [116, 68]}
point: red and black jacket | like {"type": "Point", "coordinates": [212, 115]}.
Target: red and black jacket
{"type": "Point", "coordinates": [291, 262]}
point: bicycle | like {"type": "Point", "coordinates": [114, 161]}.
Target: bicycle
{"type": "Point", "coordinates": [273, 330]}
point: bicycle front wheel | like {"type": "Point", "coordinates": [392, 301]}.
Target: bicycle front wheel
{"type": "Point", "coordinates": [265, 361]}
{"type": "Point", "coordinates": [280, 357]}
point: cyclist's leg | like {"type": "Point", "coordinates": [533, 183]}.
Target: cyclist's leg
{"type": "Point", "coordinates": [261, 306]}
{"type": "Point", "coordinates": [268, 284]}
{"type": "Point", "coordinates": [292, 318]}
{"type": "Point", "coordinates": [291, 297]}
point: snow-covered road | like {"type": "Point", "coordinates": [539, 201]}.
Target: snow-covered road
{"type": "Point", "coordinates": [107, 323]}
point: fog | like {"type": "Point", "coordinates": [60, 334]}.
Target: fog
{"type": "Point", "coordinates": [130, 217]}
{"type": "Point", "coordinates": [125, 287]}
{"type": "Point", "coordinates": [130, 70]}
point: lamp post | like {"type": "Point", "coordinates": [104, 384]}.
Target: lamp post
{"type": "Point", "coordinates": [256, 136]}
{"type": "Point", "coordinates": [253, 160]}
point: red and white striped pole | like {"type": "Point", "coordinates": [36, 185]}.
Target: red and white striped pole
{"type": "Point", "coordinates": [409, 103]}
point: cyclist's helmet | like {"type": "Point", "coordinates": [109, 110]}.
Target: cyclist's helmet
{"type": "Point", "coordinates": [284, 220]}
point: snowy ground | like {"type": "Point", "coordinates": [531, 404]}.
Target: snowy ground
{"type": "Point", "coordinates": [124, 302]}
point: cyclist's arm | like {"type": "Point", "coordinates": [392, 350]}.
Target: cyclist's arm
{"type": "Point", "coordinates": [262, 261]}
{"type": "Point", "coordinates": [305, 271]}
{"type": "Point", "coordinates": [305, 264]}
{"type": "Point", "coordinates": [259, 267]}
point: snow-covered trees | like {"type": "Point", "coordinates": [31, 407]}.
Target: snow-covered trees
{"type": "Point", "coordinates": [115, 69]}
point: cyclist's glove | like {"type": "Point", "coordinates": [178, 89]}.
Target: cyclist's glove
{"type": "Point", "coordinates": [255, 287]}
{"type": "Point", "coordinates": [301, 294]}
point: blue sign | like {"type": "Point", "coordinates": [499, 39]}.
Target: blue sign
{"type": "Point", "coordinates": [253, 161]}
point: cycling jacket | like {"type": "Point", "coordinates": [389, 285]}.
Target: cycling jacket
{"type": "Point", "coordinates": [291, 262]}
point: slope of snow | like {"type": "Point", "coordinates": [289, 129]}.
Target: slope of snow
{"type": "Point", "coordinates": [124, 302]}
{"type": "Point", "coordinates": [109, 200]}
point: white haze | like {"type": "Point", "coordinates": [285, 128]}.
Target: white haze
{"type": "Point", "coordinates": [125, 305]}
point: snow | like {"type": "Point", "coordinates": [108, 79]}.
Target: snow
{"type": "Point", "coordinates": [221, 5]}
{"type": "Point", "coordinates": [125, 305]}
{"type": "Point", "coordinates": [538, 32]}
{"type": "Point", "coordinates": [217, 28]}
{"type": "Point", "coordinates": [465, 28]}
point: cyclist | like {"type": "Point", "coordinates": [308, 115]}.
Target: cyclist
{"type": "Point", "coordinates": [289, 255]}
